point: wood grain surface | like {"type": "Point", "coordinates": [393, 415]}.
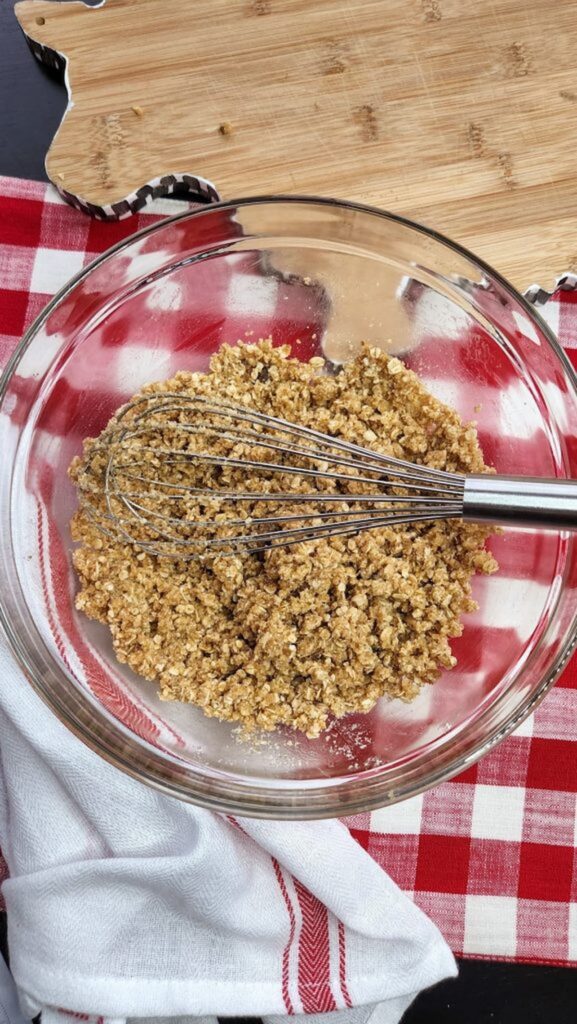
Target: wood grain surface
{"type": "Point", "coordinates": [458, 113]}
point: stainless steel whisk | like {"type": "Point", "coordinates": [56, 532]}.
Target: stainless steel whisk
{"type": "Point", "coordinates": [162, 477]}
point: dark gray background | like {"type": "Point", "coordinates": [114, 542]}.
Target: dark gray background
{"type": "Point", "coordinates": [31, 104]}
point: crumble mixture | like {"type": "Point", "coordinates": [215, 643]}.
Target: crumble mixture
{"type": "Point", "coordinates": [294, 635]}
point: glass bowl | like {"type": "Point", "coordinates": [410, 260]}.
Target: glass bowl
{"type": "Point", "coordinates": [321, 276]}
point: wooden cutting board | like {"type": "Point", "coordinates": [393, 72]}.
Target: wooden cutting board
{"type": "Point", "coordinates": [458, 113]}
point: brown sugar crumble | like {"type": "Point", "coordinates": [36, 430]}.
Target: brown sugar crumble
{"type": "Point", "coordinates": [299, 634]}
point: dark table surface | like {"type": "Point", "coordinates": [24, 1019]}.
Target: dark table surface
{"type": "Point", "coordinates": [31, 104]}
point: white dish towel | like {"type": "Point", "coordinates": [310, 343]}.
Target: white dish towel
{"type": "Point", "coordinates": [124, 903]}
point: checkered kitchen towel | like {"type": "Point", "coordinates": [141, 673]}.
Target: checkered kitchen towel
{"type": "Point", "coordinates": [491, 855]}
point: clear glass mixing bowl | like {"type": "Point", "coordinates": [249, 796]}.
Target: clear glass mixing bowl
{"type": "Point", "coordinates": [322, 276]}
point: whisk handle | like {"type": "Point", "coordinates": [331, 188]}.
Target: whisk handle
{"type": "Point", "coordinates": [521, 501]}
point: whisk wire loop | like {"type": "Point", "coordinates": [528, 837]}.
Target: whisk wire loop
{"type": "Point", "coordinates": [168, 481]}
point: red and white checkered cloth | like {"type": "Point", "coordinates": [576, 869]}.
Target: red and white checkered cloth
{"type": "Point", "coordinates": [491, 855]}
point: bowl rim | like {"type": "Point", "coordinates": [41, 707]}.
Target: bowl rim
{"type": "Point", "coordinates": [307, 799]}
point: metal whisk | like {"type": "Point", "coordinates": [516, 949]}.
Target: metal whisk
{"type": "Point", "coordinates": [165, 474]}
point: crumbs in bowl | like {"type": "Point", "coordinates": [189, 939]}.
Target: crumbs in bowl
{"type": "Point", "coordinates": [293, 636]}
